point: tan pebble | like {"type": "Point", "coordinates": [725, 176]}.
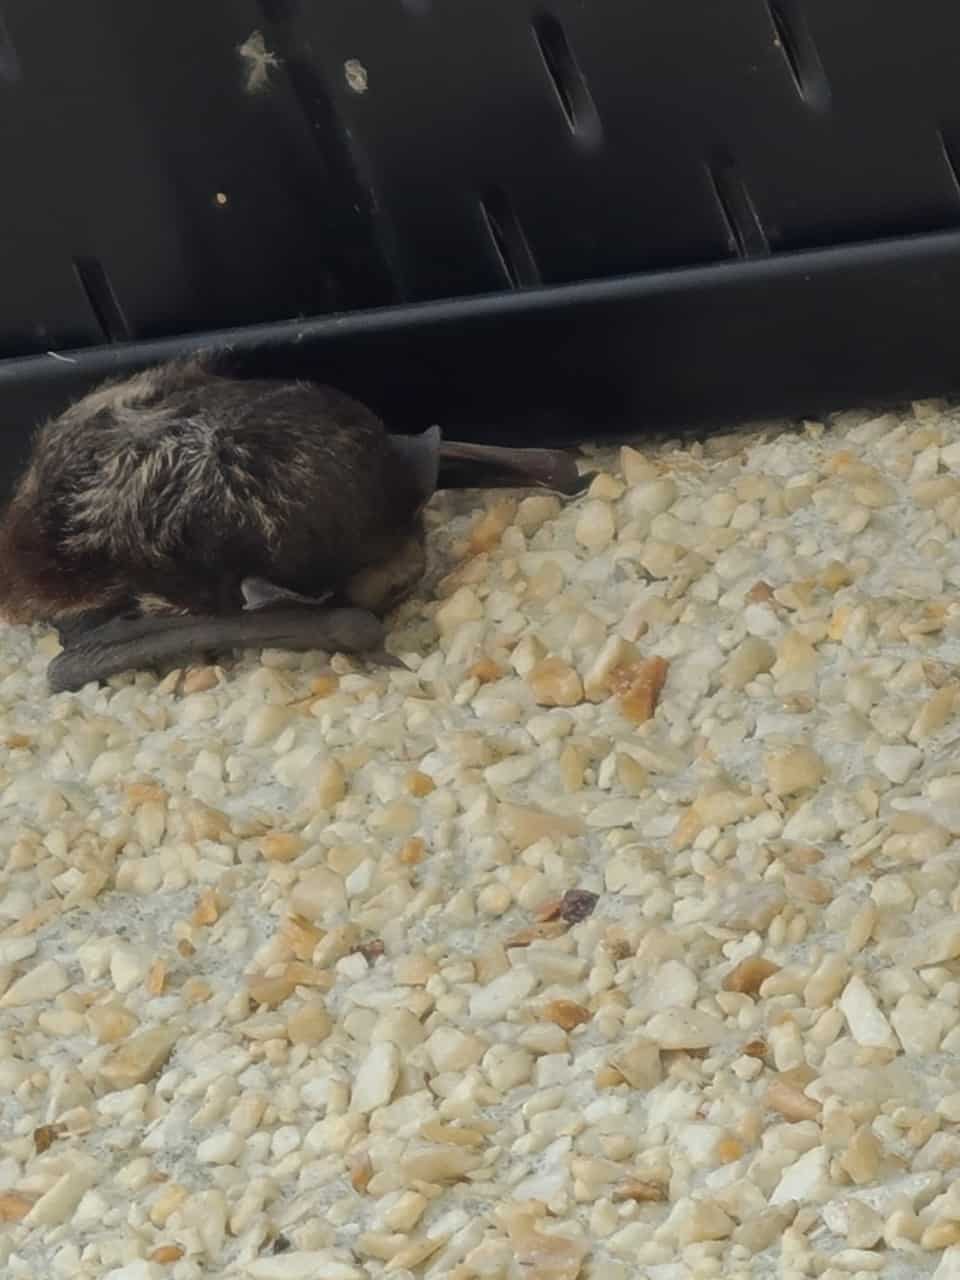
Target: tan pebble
{"type": "Point", "coordinates": [639, 1063]}
{"type": "Point", "coordinates": [572, 764]}
{"type": "Point", "coordinates": [139, 1058]}
{"type": "Point", "coordinates": [542, 1254]}
{"type": "Point", "coordinates": [335, 944]}
{"type": "Point", "coordinates": [300, 936]}
{"type": "Point", "coordinates": [156, 979]}
{"type": "Point", "coordinates": [748, 976]}
{"type": "Point", "coordinates": [414, 970]}
{"type": "Point", "coordinates": [750, 658]}
{"type": "Point", "coordinates": [412, 851]}
{"type": "Point", "coordinates": [602, 677]}
{"type": "Point", "coordinates": [554, 683]}
{"type": "Point", "coordinates": [541, 932]}
{"type": "Point", "coordinates": [725, 807]}
{"type": "Point", "coordinates": [317, 894]}
{"type": "Point", "coordinates": [406, 1211]}
{"type": "Point", "coordinates": [494, 900]}
{"type": "Point", "coordinates": [455, 1135]}
{"type": "Point", "coordinates": [265, 723]}
{"type": "Point", "coordinates": [794, 770]}
{"type": "Point", "coordinates": [685, 1029]}
{"type": "Point", "coordinates": [631, 775]}
{"type": "Point", "coordinates": [639, 701]}
{"type": "Point", "coordinates": [523, 826]}
{"type": "Point", "coordinates": [165, 1253]}
{"type": "Point", "coordinates": [361, 1170]}
{"type": "Point", "coordinates": [729, 1149]}
{"type": "Point", "coordinates": [138, 793]}
{"type": "Point", "coordinates": [439, 1164]}
{"type": "Point", "coordinates": [796, 652]}
{"type": "Point", "coordinates": [605, 487]}
{"type": "Point", "coordinates": [641, 1191]}
{"type": "Point", "coordinates": [205, 823]}
{"type": "Point", "coordinates": [802, 888]}
{"type": "Point", "coordinates": [486, 671]}
{"type": "Point", "coordinates": [595, 527]}
{"type": "Point", "coordinates": [110, 1023]}
{"type": "Point", "coordinates": [206, 911]}
{"type": "Point", "coordinates": [14, 1206]}
{"type": "Point", "coordinates": [862, 1157]}
{"type": "Point", "coordinates": [755, 1048]}
{"type": "Point", "coordinates": [565, 1013]}
{"type": "Point", "coordinates": [705, 1220]}
{"type": "Point", "coordinates": [790, 1102]}
{"type": "Point", "coordinates": [167, 1202]}
{"type": "Point", "coordinates": [45, 1136]}
{"type": "Point", "coordinates": [463, 606]}
{"type": "Point", "coordinates": [934, 713]}
{"type": "Point", "coordinates": [547, 582]}
{"type": "Point", "coordinates": [270, 992]}
{"type": "Point", "coordinates": [196, 991]}
{"type": "Point", "coordinates": [375, 1078]}
{"type": "Point", "coordinates": [325, 685]}
{"type": "Point", "coordinates": [397, 818]}
{"type": "Point", "coordinates": [42, 982]}
{"type": "Point", "coordinates": [490, 527]}
{"type": "Point", "coordinates": [635, 467]}
{"type": "Point", "coordinates": [536, 510]}
{"type": "Point", "coordinates": [687, 829]}
{"type": "Point", "coordinates": [419, 784]}
{"type": "Point", "coordinates": [199, 679]}
{"type": "Point", "coordinates": [281, 846]}
{"type": "Point", "coordinates": [940, 1235]}
{"type": "Point", "coordinates": [329, 784]}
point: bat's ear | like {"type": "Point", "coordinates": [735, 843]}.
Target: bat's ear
{"type": "Point", "coordinates": [420, 458]}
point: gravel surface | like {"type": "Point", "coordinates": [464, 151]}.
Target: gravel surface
{"type": "Point", "coordinates": [618, 937]}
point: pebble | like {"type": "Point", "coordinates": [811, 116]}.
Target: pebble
{"type": "Point", "coordinates": [554, 683]}
{"type": "Point", "coordinates": [685, 1029]}
{"type": "Point", "coordinates": [42, 982]}
{"type": "Point", "coordinates": [595, 527]}
{"type": "Point", "coordinates": [867, 1024]}
{"type": "Point", "coordinates": [898, 763]}
{"type": "Point", "coordinates": [139, 1058]}
{"type": "Point", "coordinates": [612, 934]}
{"type": "Point", "coordinates": [492, 1002]}
{"type": "Point", "coordinates": [376, 1078]}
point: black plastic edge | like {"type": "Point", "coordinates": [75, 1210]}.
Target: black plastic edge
{"type": "Point", "coordinates": [790, 335]}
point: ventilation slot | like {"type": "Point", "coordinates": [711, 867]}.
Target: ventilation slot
{"type": "Point", "coordinates": [568, 80]}
{"type": "Point", "coordinates": [800, 53]}
{"type": "Point", "coordinates": [509, 243]}
{"type": "Point", "coordinates": [949, 159]}
{"type": "Point", "coordinates": [103, 301]}
{"type": "Point", "coordinates": [745, 233]}
{"type": "Point", "coordinates": [9, 62]}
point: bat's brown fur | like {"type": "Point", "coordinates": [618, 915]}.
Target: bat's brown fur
{"type": "Point", "coordinates": [161, 492]}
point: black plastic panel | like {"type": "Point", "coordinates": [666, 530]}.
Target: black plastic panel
{"type": "Point", "coordinates": [508, 217]}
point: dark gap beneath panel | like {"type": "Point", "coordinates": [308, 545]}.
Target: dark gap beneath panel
{"type": "Point", "coordinates": [568, 80]}
{"type": "Point", "coordinates": [509, 242]}
{"type": "Point", "coordinates": [102, 299]}
{"type": "Point", "coordinates": [800, 53]}
{"type": "Point", "coordinates": [744, 230]}
{"type": "Point", "coordinates": [10, 72]}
